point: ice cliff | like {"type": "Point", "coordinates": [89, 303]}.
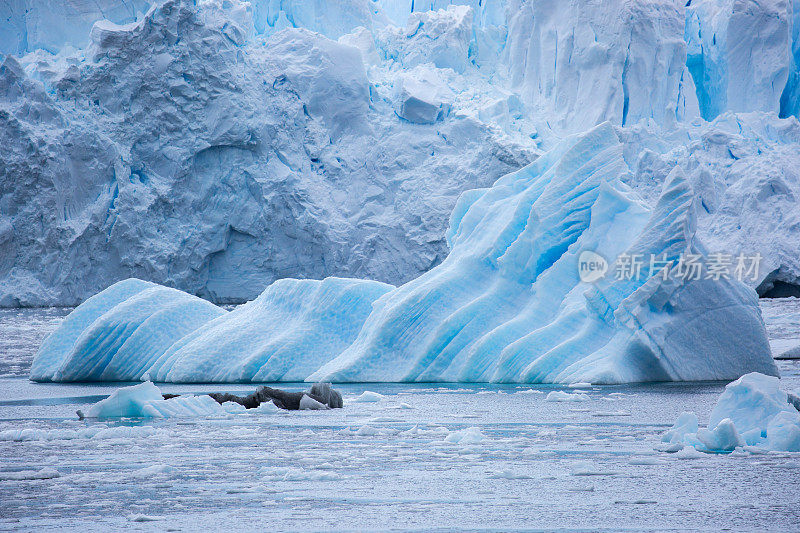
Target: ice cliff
{"type": "Point", "coordinates": [217, 146]}
{"type": "Point", "coordinates": [508, 304]}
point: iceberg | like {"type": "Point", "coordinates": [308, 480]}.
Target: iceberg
{"type": "Point", "coordinates": [119, 333]}
{"type": "Point", "coordinates": [752, 411]}
{"type": "Point", "coordinates": [510, 303]}
{"type": "Point", "coordinates": [136, 330]}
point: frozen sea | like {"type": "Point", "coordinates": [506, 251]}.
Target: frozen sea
{"type": "Point", "coordinates": [409, 461]}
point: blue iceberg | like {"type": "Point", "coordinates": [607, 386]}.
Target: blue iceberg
{"type": "Point", "coordinates": [508, 304]}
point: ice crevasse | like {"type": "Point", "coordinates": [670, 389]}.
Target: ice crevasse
{"type": "Point", "coordinates": [506, 305]}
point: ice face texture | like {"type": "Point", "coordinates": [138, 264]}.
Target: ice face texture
{"type": "Point", "coordinates": [137, 330]}
{"type": "Point", "coordinates": [283, 335]}
{"type": "Point", "coordinates": [218, 146]}
{"type": "Point", "coordinates": [752, 411]}
{"type": "Point", "coordinates": [186, 150]}
{"type": "Point", "coordinates": [506, 305]}
{"type": "Point", "coordinates": [119, 333]}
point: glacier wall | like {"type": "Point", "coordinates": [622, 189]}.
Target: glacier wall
{"type": "Point", "coordinates": [506, 305]}
{"type": "Point", "coordinates": [218, 146]}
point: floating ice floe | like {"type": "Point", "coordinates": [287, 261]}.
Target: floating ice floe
{"type": "Point", "coordinates": [508, 304]}
{"type": "Point", "coordinates": [471, 435]}
{"type": "Point", "coordinates": [753, 411]}
{"type": "Point", "coordinates": [561, 396]}
{"type": "Point", "coordinates": [29, 475]}
{"type": "Point", "coordinates": [368, 396]}
{"type": "Point", "coordinates": [146, 401]}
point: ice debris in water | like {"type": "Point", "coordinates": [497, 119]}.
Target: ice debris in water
{"type": "Point", "coordinates": [506, 305]}
{"type": "Point", "coordinates": [368, 396]}
{"type": "Point", "coordinates": [471, 435]}
{"type": "Point", "coordinates": [146, 401]}
{"type": "Point", "coordinates": [29, 475]}
{"type": "Point", "coordinates": [561, 396]}
{"type": "Point", "coordinates": [753, 411]}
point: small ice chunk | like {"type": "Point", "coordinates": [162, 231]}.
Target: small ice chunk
{"type": "Point", "coordinates": [723, 437]}
{"type": "Point", "coordinates": [26, 475]}
{"type": "Point", "coordinates": [265, 408]}
{"type": "Point", "coordinates": [689, 452]}
{"type": "Point", "coordinates": [579, 385]}
{"type": "Point", "coordinates": [588, 468]}
{"type": "Point", "coordinates": [471, 435]}
{"type": "Point", "coordinates": [686, 423]}
{"type": "Point", "coordinates": [151, 471]}
{"type": "Point", "coordinates": [508, 474]}
{"type": "Point", "coordinates": [783, 432]}
{"type": "Point", "coordinates": [369, 396]}
{"type": "Point", "coordinates": [142, 518]}
{"type": "Point", "coordinates": [310, 404]}
{"type": "Point", "coordinates": [561, 396]}
{"type": "Point", "coordinates": [145, 401]}
{"type": "Point", "coordinates": [753, 411]}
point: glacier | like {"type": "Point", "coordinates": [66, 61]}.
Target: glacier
{"type": "Point", "coordinates": [217, 146]}
{"type": "Point", "coordinates": [508, 303]}
{"type": "Point", "coordinates": [753, 411]}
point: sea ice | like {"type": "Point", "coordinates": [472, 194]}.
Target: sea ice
{"type": "Point", "coordinates": [561, 396]}
{"type": "Point", "coordinates": [146, 401]}
{"type": "Point", "coordinates": [471, 435]}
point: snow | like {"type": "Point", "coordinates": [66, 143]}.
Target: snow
{"type": "Point", "coordinates": [315, 139]}
{"type": "Point", "coordinates": [752, 411]}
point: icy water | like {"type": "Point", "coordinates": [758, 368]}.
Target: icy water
{"type": "Point", "coordinates": [392, 464]}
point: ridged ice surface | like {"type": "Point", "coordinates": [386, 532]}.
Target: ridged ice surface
{"type": "Point", "coordinates": [283, 335]}
{"type": "Point", "coordinates": [507, 304]}
{"type": "Point", "coordinates": [119, 333]}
